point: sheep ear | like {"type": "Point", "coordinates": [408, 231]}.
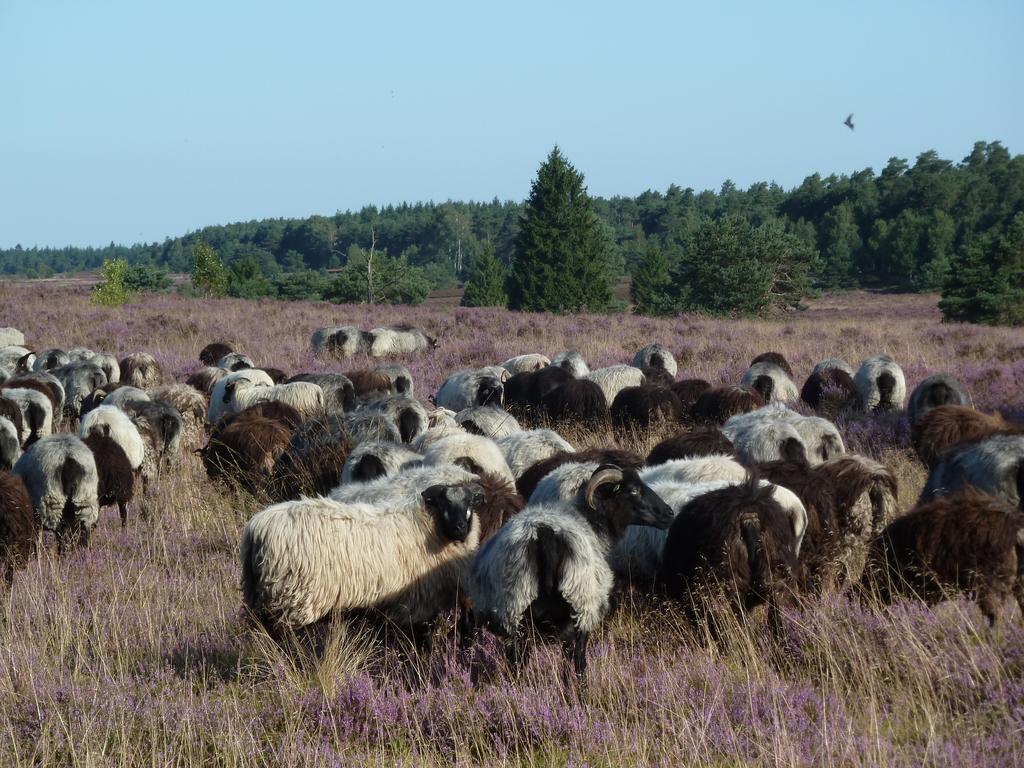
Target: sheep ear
{"type": "Point", "coordinates": [607, 473]}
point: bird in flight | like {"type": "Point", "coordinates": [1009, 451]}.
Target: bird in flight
{"type": "Point", "coordinates": [848, 122]}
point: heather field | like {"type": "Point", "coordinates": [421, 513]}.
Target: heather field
{"type": "Point", "coordinates": [135, 651]}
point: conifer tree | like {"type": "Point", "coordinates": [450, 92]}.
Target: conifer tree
{"type": "Point", "coordinates": [651, 286]}
{"type": "Point", "coordinates": [986, 282]}
{"type": "Point", "coordinates": [486, 284]}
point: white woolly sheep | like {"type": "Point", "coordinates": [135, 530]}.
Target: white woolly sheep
{"type": "Point", "coordinates": [937, 390]}
{"type": "Point", "coordinates": [881, 384]}
{"type": "Point", "coordinates": [525, 363]}
{"type": "Point", "coordinates": [573, 362]}
{"type": "Point", "coordinates": [656, 356]}
{"type": "Point", "coordinates": [763, 440]}
{"type": "Point", "coordinates": [398, 340]}
{"type": "Point", "coordinates": [616, 378]}
{"type": "Point", "coordinates": [410, 481]}
{"type": "Point", "coordinates": [59, 473]}
{"type": "Point", "coordinates": [122, 395]}
{"type": "Point", "coordinates": [820, 438]}
{"type": "Point", "coordinates": [524, 449]}
{"type": "Point", "coordinates": [434, 434]}
{"type": "Point", "coordinates": [473, 452]}
{"type": "Point", "coordinates": [109, 365]}
{"type": "Point", "coordinates": [10, 444]}
{"type": "Point", "coordinates": [304, 397]}
{"type": "Point", "coordinates": [468, 388]}
{"type": "Point", "coordinates": [339, 394]}
{"type": "Point", "coordinates": [489, 421]}
{"type": "Point", "coordinates": [994, 465]}
{"type": "Point", "coordinates": [36, 413]}
{"type": "Point", "coordinates": [220, 399]}
{"type": "Point", "coordinates": [700, 469]}
{"type": "Point", "coordinates": [771, 382]}
{"type": "Point", "coordinates": [54, 389]}
{"type": "Point", "coordinates": [373, 459]}
{"type": "Point", "coordinates": [362, 425]}
{"type": "Point", "coordinates": [110, 421]}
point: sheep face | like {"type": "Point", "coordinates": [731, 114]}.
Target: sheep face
{"type": "Point", "coordinates": [622, 499]}
{"type": "Point", "coordinates": [452, 507]}
{"type": "Point", "coordinates": [489, 391]}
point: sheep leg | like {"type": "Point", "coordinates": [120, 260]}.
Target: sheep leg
{"type": "Point", "coordinates": [122, 508]}
{"type": "Point", "coordinates": [467, 629]}
{"type": "Point", "coordinates": [575, 649]}
{"type": "Point", "coordinates": [423, 637]}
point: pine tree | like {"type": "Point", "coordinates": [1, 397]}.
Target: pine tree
{"type": "Point", "coordinates": [561, 259]}
{"type": "Point", "coordinates": [486, 284]}
{"type": "Point", "coordinates": [208, 274]}
{"type": "Point", "coordinates": [986, 282]}
{"type": "Point", "coordinates": [651, 286]}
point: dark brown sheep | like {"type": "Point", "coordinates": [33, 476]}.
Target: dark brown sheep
{"type": "Point", "coordinates": [141, 370]}
{"type": "Point", "coordinates": [686, 445]}
{"type": "Point", "coordinates": [368, 383]}
{"type": "Point", "coordinates": [527, 390]}
{"type": "Point", "coordinates": [717, 405]}
{"type": "Point", "coordinates": [245, 451]}
{"type": "Point", "coordinates": [657, 377]}
{"type": "Point", "coordinates": [738, 541]}
{"type": "Point", "coordinates": [527, 482]}
{"type": "Point", "coordinates": [688, 390]}
{"type": "Point", "coordinates": [645, 405]}
{"type": "Point", "coordinates": [312, 463]}
{"type": "Point", "coordinates": [947, 425]}
{"type": "Point", "coordinates": [18, 530]}
{"type": "Point", "coordinates": [578, 400]}
{"type": "Point", "coordinates": [775, 358]}
{"type": "Point", "coordinates": [116, 478]}
{"type": "Point", "coordinates": [968, 542]}
{"type": "Point", "coordinates": [211, 353]}
{"type": "Point", "coordinates": [276, 375]}
{"type": "Point", "coordinates": [830, 390]}
{"type": "Point", "coordinates": [282, 413]}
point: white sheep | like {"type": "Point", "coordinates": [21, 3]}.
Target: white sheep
{"type": "Point", "coordinates": [36, 413]}
{"type": "Point", "coordinates": [473, 452]}
{"type": "Point", "coordinates": [303, 396]}
{"type": "Point", "coordinates": [373, 459]}
{"type": "Point", "coordinates": [771, 382]}
{"type": "Point", "coordinates": [526, 363]}
{"type": "Point", "coordinates": [488, 420]}
{"type": "Point", "coordinates": [616, 378]}
{"type": "Point", "coordinates": [405, 412]}
{"type": "Point", "coordinates": [656, 356]}
{"type": "Point", "coordinates": [468, 388]}
{"type": "Point", "coordinates": [110, 421]}
{"type": "Point", "coordinates": [341, 340]}
{"type": "Point", "coordinates": [410, 481]}
{"type": "Point", "coordinates": [220, 398]}
{"type": "Point", "coordinates": [695, 470]}
{"type": "Point", "coordinates": [524, 449]}
{"type": "Point", "coordinates": [881, 384]}
{"type": "Point", "coordinates": [573, 362]}
{"type": "Point", "coordinates": [398, 340]}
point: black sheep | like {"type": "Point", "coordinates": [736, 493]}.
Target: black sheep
{"type": "Point", "coordinates": [645, 405]}
{"type": "Point", "coordinates": [717, 405]}
{"type": "Point", "coordinates": [687, 445]}
{"type": "Point", "coordinates": [578, 400]}
{"type": "Point", "coordinates": [116, 478]}
{"type": "Point", "coordinates": [214, 351]}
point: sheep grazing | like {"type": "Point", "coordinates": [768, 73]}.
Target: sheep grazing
{"type": "Point", "coordinates": [10, 443]}
{"type": "Point", "coordinates": [738, 541]}
{"type": "Point", "coordinates": [140, 369]}
{"type": "Point", "coordinates": [303, 396]}
{"type": "Point", "coordinates": [214, 351]}
{"type": "Point", "coordinates": [616, 378]}
{"type": "Point", "coordinates": [527, 390]}
{"type": "Point", "coordinates": [235, 361]}
{"type": "Point", "coordinates": [121, 395]}
{"type": "Point", "coordinates": [109, 365]}
{"type": "Point", "coordinates": [700, 470]}
{"type": "Point", "coordinates": [468, 388]}
{"type": "Point", "coordinates": [115, 475]}
{"type": "Point", "coordinates": [830, 390]}
{"type": "Point", "coordinates": [205, 379]}
{"type": "Point", "coordinates": [245, 450]}
{"type": "Point", "coordinates": [658, 377]}
{"type": "Point", "coordinates": [398, 340]}
{"type": "Point", "coordinates": [488, 420]}
{"type": "Point", "coordinates": [525, 363]}
{"type": "Point", "coordinates": [656, 356]}
{"type": "Point", "coordinates": [339, 340]}
{"type": "Point", "coordinates": [471, 452]}
{"type": "Point", "coordinates": [50, 358]}
{"type": "Point", "coordinates": [36, 413]}
{"type": "Point", "coordinates": [18, 531]}
{"type": "Point", "coordinates": [14, 360]}
{"type": "Point", "coordinates": [78, 380]}
{"type": "Point", "coordinates": [401, 379]}
{"type": "Point", "coordinates": [548, 565]}
{"type": "Point", "coordinates": [339, 391]}
{"type": "Point", "coordinates": [580, 401]}
{"type": "Point", "coordinates": [771, 382]}
{"type": "Point", "coordinates": [718, 404]}
{"type": "Point", "coordinates": [371, 460]}
{"type": "Point", "coordinates": [834, 363]}
{"type": "Point", "coordinates": [994, 465]}
{"type": "Point", "coordinates": [160, 425]}
{"type": "Point", "coordinates": [190, 404]}
{"type": "Point", "coordinates": [313, 461]}
{"type": "Point", "coordinates": [108, 421]}
{"type": "Point", "coordinates": [11, 337]}
{"type": "Point", "coordinates": [305, 560]}
{"type": "Point", "coordinates": [969, 542]}
{"type": "Point", "coordinates": [524, 449]}
{"type": "Point", "coordinates": [571, 361]}
{"type": "Point", "coordinates": [881, 384]}
{"type": "Point", "coordinates": [688, 391]}
{"type": "Point", "coordinates": [362, 426]}
{"type": "Point", "coordinates": [645, 405]}
{"type": "Point", "coordinates": [866, 501]}
{"type": "Point", "coordinates": [774, 358]}
{"type": "Point", "coordinates": [59, 473]}
{"type": "Point", "coordinates": [764, 435]}
{"type": "Point", "coordinates": [935, 391]}
{"type": "Point", "coordinates": [528, 480]}
{"type": "Point", "coordinates": [21, 382]}
{"type": "Point", "coordinates": [406, 413]}
{"type": "Point", "coordinates": [369, 383]}
{"type": "Point", "coordinates": [948, 425]}
{"type": "Point", "coordinates": [703, 442]}
{"type": "Point", "coordinates": [223, 389]}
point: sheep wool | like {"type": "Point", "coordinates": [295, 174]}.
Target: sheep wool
{"type": "Point", "coordinates": [476, 453]}
{"type": "Point", "coordinates": [524, 449]}
{"type": "Point", "coordinates": [112, 422]}
{"type": "Point", "coordinates": [59, 473]}
{"type": "Point", "coordinates": [616, 378]}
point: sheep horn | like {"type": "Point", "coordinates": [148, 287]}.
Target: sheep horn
{"type": "Point", "coordinates": [608, 473]}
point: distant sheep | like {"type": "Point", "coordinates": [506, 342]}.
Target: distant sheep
{"type": "Point", "coordinates": [579, 401]}
{"type": "Point", "coordinates": [10, 444]}
{"type": "Point", "coordinates": [771, 382]}
{"type": "Point", "coordinates": [572, 362]}
{"type": "Point", "coordinates": [830, 390]}
{"type": "Point", "coordinates": [488, 420]}
{"type": "Point", "coordinates": [59, 473]}
{"type": "Point", "coordinates": [524, 449]}
{"type": "Point", "coordinates": [645, 405]}
{"type": "Point", "coordinates": [774, 358]}
{"type": "Point", "coordinates": [141, 370]}
{"type": "Point", "coordinates": [704, 442]}
{"type": "Point", "coordinates": [531, 477]}
{"type": "Point", "coordinates": [342, 341]}
{"type": "Point", "coordinates": [718, 404]}
{"type": "Point", "coordinates": [398, 340]}
{"type": "Point", "coordinates": [968, 542]}
{"type": "Point", "coordinates": [371, 460]}
{"type": "Point", "coordinates": [18, 532]}
{"type": "Point", "coordinates": [468, 388]}
{"type": "Point", "coordinates": [834, 363]}
{"type": "Point", "coordinates": [214, 351]}
{"type": "Point", "coordinates": [935, 391]}
{"type": "Point", "coordinates": [472, 452]}
{"type": "Point", "coordinates": [339, 391]}
{"type": "Point", "coordinates": [406, 413]}
{"type": "Point", "coordinates": [223, 389]}
{"type": "Point", "coordinates": [994, 465]}
{"type": "Point", "coordinates": [656, 356]}
{"type": "Point", "coordinates": [881, 384]}
{"type": "Point", "coordinates": [525, 363]}
{"type": "Point", "coordinates": [526, 391]}
{"type": "Point", "coordinates": [616, 378]}
{"type": "Point", "coordinates": [115, 476]}
{"type": "Point", "coordinates": [948, 425]}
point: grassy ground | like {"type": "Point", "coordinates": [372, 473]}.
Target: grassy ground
{"type": "Point", "coordinates": [135, 651]}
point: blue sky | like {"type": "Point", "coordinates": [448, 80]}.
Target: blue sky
{"type": "Point", "coordinates": [132, 121]}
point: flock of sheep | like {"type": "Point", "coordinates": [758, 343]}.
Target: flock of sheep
{"type": "Point", "coordinates": [475, 504]}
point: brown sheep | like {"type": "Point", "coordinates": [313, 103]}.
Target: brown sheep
{"type": "Point", "coordinates": [866, 501]}
{"type": "Point", "coordinates": [701, 442]}
{"type": "Point", "coordinates": [214, 351]}
{"type": "Point", "coordinates": [192, 406]}
{"type": "Point", "coordinates": [645, 405]}
{"type": "Point", "coordinates": [688, 390]}
{"type": "Point", "coordinates": [140, 369]}
{"type": "Point", "coordinates": [282, 413]}
{"type": "Point", "coordinates": [204, 379]}
{"type": "Point", "coordinates": [717, 405]}
{"type": "Point", "coordinates": [18, 531]}
{"type": "Point", "coordinates": [245, 451]}
{"type": "Point", "coordinates": [527, 482]}
{"type": "Point", "coordinates": [369, 383]}
{"type": "Point", "coordinates": [738, 541]}
{"type": "Point", "coordinates": [947, 425]}
{"type": "Point", "coordinates": [830, 390]}
{"type": "Point", "coordinates": [775, 358]}
{"type": "Point", "coordinates": [968, 542]}
{"type": "Point", "coordinates": [658, 377]}
{"type": "Point", "coordinates": [312, 463]}
{"type": "Point", "coordinates": [276, 375]}
{"type": "Point", "coordinates": [116, 477]}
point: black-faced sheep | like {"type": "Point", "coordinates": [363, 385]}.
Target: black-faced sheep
{"type": "Point", "coordinates": [968, 542]}
{"type": "Point", "coordinates": [579, 401]}
{"type": "Point", "coordinates": [937, 390]}
{"type": "Point", "coordinates": [771, 382]}
{"type": "Point", "coordinates": [738, 541]}
{"type": "Point", "coordinates": [17, 527]}
{"type": "Point", "coordinates": [645, 405]}
{"type": "Point", "coordinates": [524, 449]}
{"type": "Point", "coordinates": [528, 481]}
{"type": "Point", "coordinates": [830, 390]}
{"type": "Point", "coordinates": [549, 564]}
{"type": "Point", "coordinates": [994, 465]}
{"type": "Point", "coordinates": [774, 358]}
{"type": "Point", "coordinates": [718, 404]}
{"type": "Point", "coordinates": [525, 363]}
{"type": "Point", "coordinates": [488, 420]}
{"type": "Point", "coordinates": [881, 384]}
{"type": "Point", "coordinates": [948, 425]}
{"type": "Point", "coordinates": [616, 378]}
{"type": "Point", "coordinates": [398, 340]}
{"type": "Point", "coordinates": [339, 391]}
{"type": "Point", "coordinates": [59, 473]}
{"type": "Point", "coordinates": [702, 442]}
{"type": "Point", "coordinates": [140, 369]}
{"type": "Point", "coordinates": [656, 356]}
{"type": "Point", "coordinates": [468, 388]}
{"type": "Point", "coordinates": [115, 476]}
{"type": "Point", "coordinates": [313, 461]}
{"type": "Point", "coordinates": [373, 459]}
{"type": "Point", "coordinates": [571, 361]}
{"type": "Point", "coordinates": [214, 351]}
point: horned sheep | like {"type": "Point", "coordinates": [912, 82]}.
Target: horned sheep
{"type": "Point", "coordinates": [528, 481]}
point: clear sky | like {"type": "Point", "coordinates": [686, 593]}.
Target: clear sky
{"type": "Point", "coordinates": [131, 121]}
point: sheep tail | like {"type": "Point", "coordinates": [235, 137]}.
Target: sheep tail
{"type": "Point", "coordinates": [886, 387]}
{"type": "Point", "coordinates": [550, 553]}
{"type": "Point", "coordinates": [71, 475]}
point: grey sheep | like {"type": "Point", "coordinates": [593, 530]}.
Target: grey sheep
{"type": "Point", "coordinates": [994, 465]}
{"type": "Point", "coordinates": [525, 363]}
{"type": "Point", "coordinates": [488, 420]}
{"type": "Point", "coordinates": [406, 413]}
{"type": "Point", "coordinates": [468, 388]}
{"type": "Point", "coordinates": [10, 444]}
{"type": "Point", "coordinates": [374, 459]}
{"type": "Point", "coordinates": [881, 384]}
{"type": "Point", "coordinates": [937, 390]}
{"type": "Point", "coordinates": [524, 449]}
{"type": "Point", "coordinates": [340, 340]}
{"type": "Point", "coordinates": [573, 362]}
{"type": "Point", "coordinates": [656, 356]}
